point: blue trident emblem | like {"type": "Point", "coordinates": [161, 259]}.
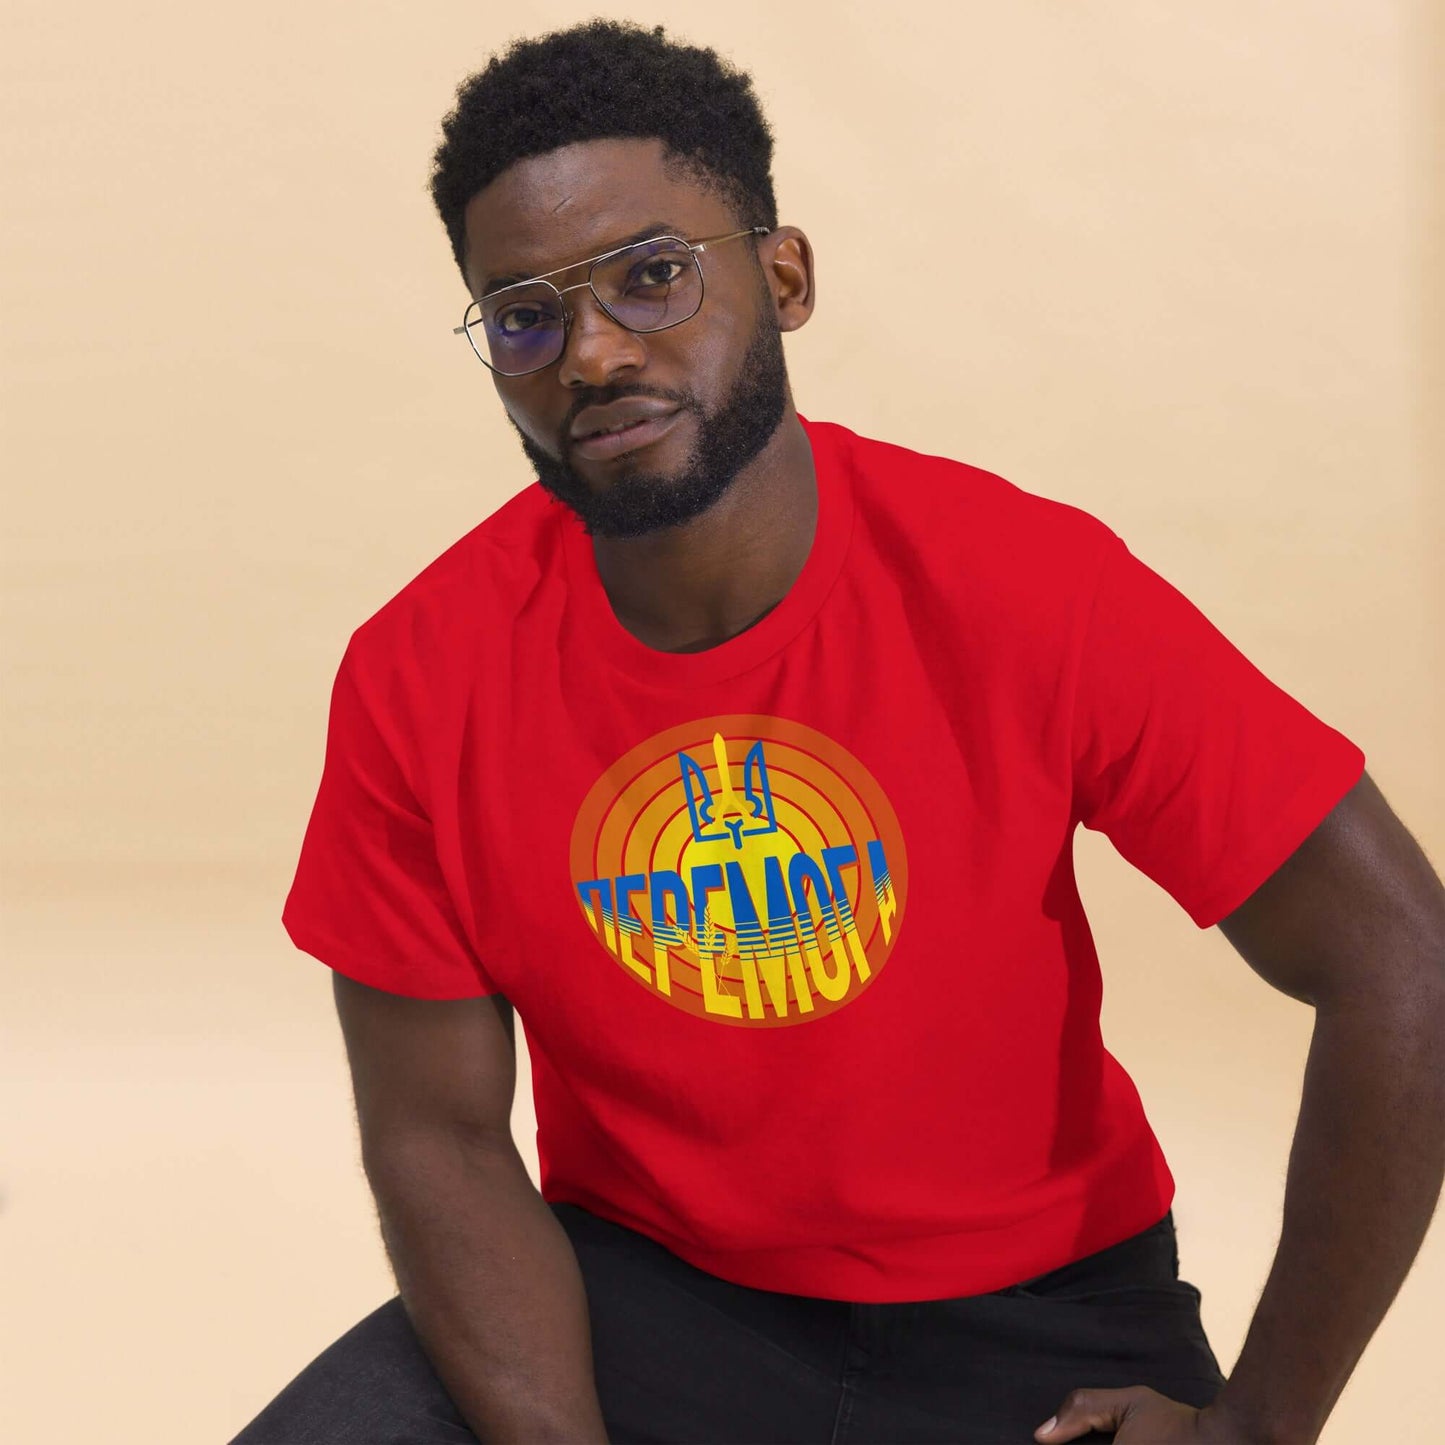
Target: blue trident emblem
{"type": "Point", "coordinates": [718, 816]}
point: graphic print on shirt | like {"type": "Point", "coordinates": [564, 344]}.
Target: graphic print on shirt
{"type": "Point", "coordinates": [745, 868]}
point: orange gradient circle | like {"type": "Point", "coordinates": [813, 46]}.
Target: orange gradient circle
{"type": "Point", "coordinates": [745, 868]}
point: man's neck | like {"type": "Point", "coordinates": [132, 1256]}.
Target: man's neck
{"type": "Point", "coordinates": [692, 587]}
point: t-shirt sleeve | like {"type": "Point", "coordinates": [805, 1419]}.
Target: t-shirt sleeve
{"type": "Point", "coordinates": [369, 898]}
{"type": "Point", "coordinates": [1202, 772]}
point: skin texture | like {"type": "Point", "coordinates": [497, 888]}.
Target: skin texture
{"type": "Point", "coordinates": [486, 1274]}
{"type": "Point", "coordinates": [1352, 925]}
{"type": "Point", "coordinates": [642, 495]}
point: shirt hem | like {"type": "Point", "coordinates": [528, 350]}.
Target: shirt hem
{"type": "Point", "coordinates": [362, 970]}
{"type": "Point", "coordinates": [1305, 811]}
{"type": "Point", "coordinates": [927, 1267]}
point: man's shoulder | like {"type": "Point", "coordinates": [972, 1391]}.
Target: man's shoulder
{"type": "Point", "coordinates": [964, 513]}
{"type": "Point", "coordinates": [484, 575]}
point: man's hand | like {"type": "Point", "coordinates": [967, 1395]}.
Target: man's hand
{"type": "Point", "coordinates": [1142, 1416]}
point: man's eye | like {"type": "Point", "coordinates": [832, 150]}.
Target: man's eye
{"type": "Point", "coordinates": [519, 318]}
{"type": "Point", "coordinates": [652, 273]}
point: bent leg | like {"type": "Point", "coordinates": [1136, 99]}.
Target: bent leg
{"type": "Point", "coordinates": [681, 1357]}
{"type": "Point", "coordinates": [373, 1386]}
{"type": "Point", "coordinates": [980, 1369]}
{"type": "Point", "coordinates": [685, 1358]}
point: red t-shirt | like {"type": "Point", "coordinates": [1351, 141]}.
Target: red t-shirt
{"type": "Point", "coordinates": [791, 923]}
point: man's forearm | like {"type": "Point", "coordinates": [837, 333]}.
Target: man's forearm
{"type": "Point", "coordinates": [1364, 1177]}
{"type": "Point", "coordinates": [491, 1284]}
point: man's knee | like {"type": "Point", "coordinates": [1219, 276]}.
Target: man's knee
{"type": "Point", "coordinates": [373, 1386]}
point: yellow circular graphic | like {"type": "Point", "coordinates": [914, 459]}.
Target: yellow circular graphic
{"type": "Point", "coordinates": [745, 868]}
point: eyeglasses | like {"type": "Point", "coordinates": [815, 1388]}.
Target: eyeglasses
{"type": "Point", "coordinates": [647, 286]}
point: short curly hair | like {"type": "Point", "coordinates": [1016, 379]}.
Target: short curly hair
{"type": "Point", "coordinates": [602, 79]}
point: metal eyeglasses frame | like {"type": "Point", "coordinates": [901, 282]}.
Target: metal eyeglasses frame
{"type": "Point", "coordinates": [693, 246]}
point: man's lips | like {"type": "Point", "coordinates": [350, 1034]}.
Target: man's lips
{"type": "Point", "coordinates": [605, 445]}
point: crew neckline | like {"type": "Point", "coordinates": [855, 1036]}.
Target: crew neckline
{"type": "Point", "coordinates": [588, 603]}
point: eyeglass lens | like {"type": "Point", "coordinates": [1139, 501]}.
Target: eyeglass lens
{"type": "Point", "coordinates": [647, 287]}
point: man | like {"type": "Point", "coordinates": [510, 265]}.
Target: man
{"type": "Point", "coordinates": [748, 775]}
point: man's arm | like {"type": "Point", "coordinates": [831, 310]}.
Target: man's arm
{"type": "Point", "coordinates": [1354, 925]}
{"type": "Point", "coordinates": [488, 1277]}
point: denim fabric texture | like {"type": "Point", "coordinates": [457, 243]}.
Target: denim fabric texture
{"type": "Point", "coordinates": [683, 1356]}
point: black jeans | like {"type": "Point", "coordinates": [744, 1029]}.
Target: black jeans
{"type": "Point", "coordinates": [683, 1356]}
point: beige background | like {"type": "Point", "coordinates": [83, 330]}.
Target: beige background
{"type": "Point", "coordinates": [1188, 262]}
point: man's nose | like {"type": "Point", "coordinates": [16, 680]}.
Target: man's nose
{"type": "Point", "coordinates": [597, 345]}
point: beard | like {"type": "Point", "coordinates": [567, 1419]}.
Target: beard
{"type": "Point", "coordinates": [633, 501]}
